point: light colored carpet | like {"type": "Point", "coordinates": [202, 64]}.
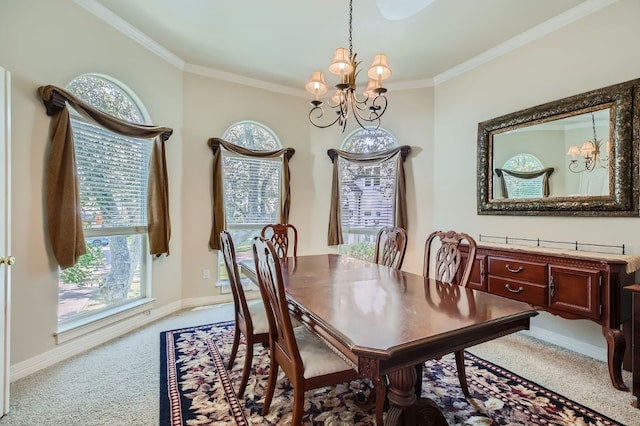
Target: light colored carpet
{"type": "Point", "coordinates": [117, 384]}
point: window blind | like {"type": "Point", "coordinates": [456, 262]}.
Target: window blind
{"type": "Point", "coordinates": [112, 173]}
{"type": "Point", "coordinates": [251, 189]}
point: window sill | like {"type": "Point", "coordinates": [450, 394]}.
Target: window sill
{"type": "Point", "coordinates": [74, 329]}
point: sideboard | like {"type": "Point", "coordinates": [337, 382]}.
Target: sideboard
{"type": "Point", "coordinates": [569, 284]}
{"type": "Point", "coordinates": [635, 345]}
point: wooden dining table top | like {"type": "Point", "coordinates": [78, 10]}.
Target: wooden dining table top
{"type": "Point", "coordinates": [379, 313]}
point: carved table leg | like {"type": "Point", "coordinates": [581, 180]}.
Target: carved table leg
{"type": "Point", "coordinates": [615, 353]}
{"type": "Point", "coordinates": [406, 409]}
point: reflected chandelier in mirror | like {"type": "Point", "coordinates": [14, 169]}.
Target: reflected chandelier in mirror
{"type": "Point", "coordinates": [584, 151]}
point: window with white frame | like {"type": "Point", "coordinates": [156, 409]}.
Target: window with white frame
{"type": "Point", "coordinates": [367, 196]}
{"type": "Point", "coordinates": [251, 188]}
{"type": "Point", "coordinates": [112, 175]}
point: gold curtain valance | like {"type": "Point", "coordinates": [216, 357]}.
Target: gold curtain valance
{"type": "Point", "coordinates": [334, 236]}
{"type": "Point", "coordinates": [62, 191]}
{"type": "Point", "coordinates": [218, 219]}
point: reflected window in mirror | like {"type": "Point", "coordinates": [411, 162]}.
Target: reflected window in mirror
{"type": "Point", "coordinates": [518, 182]}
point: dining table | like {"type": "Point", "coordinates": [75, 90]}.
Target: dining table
{"type": "Point", "coordinates": [385, 321]}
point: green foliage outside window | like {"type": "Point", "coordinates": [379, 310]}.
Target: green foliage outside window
{"type": "Point", "coordinates": [83, 272]}
{"type": "Point", "coordinates": [364, 251]}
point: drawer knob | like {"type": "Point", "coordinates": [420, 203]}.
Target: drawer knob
{"type": "Point", "coordinates": [513, 290]}
{"type": "Point", "coordinates": [515, 271]}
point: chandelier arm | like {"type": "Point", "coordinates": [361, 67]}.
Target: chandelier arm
{"type": "Point", "coordinates": [377, 107]}
{"type": "Point", "coordinates": [375, 121]}
{"type": "Point", "coordinates": [375, 111]}
{"type": "Point", "coordinates": [320, 126]}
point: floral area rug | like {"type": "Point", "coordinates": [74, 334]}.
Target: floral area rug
{"type": "Point", "coordinates": [197, 389]}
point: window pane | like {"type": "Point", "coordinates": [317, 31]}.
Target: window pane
{"type": "Point", "coordinates": [367, 192]}
{"type": "Point", "coordinates": [252, 190]}
{"type": "Point", "coordinates": [107, 275]}
{"type": "Point", "coordinates": [112, 175]}
{"type": "Point", "coordinates": [112, 172]}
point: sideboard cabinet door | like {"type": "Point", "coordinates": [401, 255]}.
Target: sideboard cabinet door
{"type": "Point", "coordinates": [575, 291]}
{"type": "Point", "coordinates": [477, 280]}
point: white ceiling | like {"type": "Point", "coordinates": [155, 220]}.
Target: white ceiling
{"type": "Point", "coordinates": [279, 43]}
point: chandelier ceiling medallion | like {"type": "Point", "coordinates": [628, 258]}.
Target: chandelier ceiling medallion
{"type": "Point", "coordinates": [591, 152]}
{"type": "Point", "coordinates": [366, 108]}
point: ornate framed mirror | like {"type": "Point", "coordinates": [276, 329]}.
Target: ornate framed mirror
{"type": "Point", "coordinates": [576, 156]}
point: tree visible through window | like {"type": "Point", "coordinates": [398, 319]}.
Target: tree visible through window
{"type": "Point", "coordinates": [367, 195]}
{"type": "Point", "coordinates": [251, 188]}
{"type": "Point", "coordinates": [112, 174]}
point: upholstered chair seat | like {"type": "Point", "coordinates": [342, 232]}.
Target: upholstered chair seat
{"type": "Point", "coordinates": [259, 316]}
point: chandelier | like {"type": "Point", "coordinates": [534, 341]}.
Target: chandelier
{"type": "Point", "coordinates": [366, 108]}
{"type": "Point", "coordinates": [591, 152]}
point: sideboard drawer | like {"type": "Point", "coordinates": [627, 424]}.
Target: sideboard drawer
{"type": "Point", "coordinates": [518, 270]}
{"type": "Point", "coordinates": [535, 294]}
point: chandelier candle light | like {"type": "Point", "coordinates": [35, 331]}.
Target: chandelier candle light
{"type": "Point", "coordinates": [590, 152]}
{"type": "Point", "coordinates": [366, 108]}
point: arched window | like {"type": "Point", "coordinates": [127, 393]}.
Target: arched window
{"type": "Point", "coordinates": [112, 175]}
{"type": "Point", "coordinates": [367, 192]}
{"type": "Point", "coordinates": [251, 187]}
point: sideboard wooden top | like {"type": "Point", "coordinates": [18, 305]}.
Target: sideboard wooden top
{"type": "Point", "coordinates": [631, 261]}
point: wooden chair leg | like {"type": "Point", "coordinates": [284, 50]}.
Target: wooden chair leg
{"type": "Point", "coordinates": [234, 348]}
{"type": "Point", "coordinates": [271, 387]}
{"type": "Point", "coordinates": [380, 385]}
{"type": "Point", "coordinates": [298, 405]}
{"type": "Point", "coordinates": [248, 358]}
{"type": "Point", "coordinates": [462, 375]}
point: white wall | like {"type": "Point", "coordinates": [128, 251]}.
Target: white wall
{"type": "Point", "coordinates": [210, 107]}
{"type": "Point", "coordinates": [51, 42]}
{"type": "Point", "coordinates": [595, 52]}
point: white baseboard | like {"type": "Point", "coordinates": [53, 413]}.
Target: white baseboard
{"type": "Point", "coordinates": [108, 332]}
{"type": "Point", "coordinates": [568, 342]}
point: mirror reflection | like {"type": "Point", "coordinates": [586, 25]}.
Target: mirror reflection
{"type": "Point", "coordinates": [565, 157]}
{"type": "Point", "coordinates": [576, 156]}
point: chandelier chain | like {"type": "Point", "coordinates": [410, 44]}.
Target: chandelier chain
{"type": "Point", "coordinates": [350, 29]}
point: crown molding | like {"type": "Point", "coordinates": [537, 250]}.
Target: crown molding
{"type": "Point", "coordinates": [572, 15]}
{"type": "Point", "coordinates": [130, 31]}
{"type": "Point", "coordinates": [246, 81]}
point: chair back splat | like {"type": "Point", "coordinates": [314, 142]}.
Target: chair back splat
{"type": "Point", "coordinates": [284, 238]}
{"type": "Point", "coordinates": [443, 262]}
{"type": "Point", "coordinates": [391, 245]}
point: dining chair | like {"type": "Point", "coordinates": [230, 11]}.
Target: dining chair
{"type": "Point", "coordinates": [391, 245]}
{"type": "Point", "coordinates": [443, 261]}
{"type": "Point", "coordinates": [306, 360]}
{"type": "Point", "coordinates": [250, 316]}
{"type": "Point", "coordinates": [284, 238]}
